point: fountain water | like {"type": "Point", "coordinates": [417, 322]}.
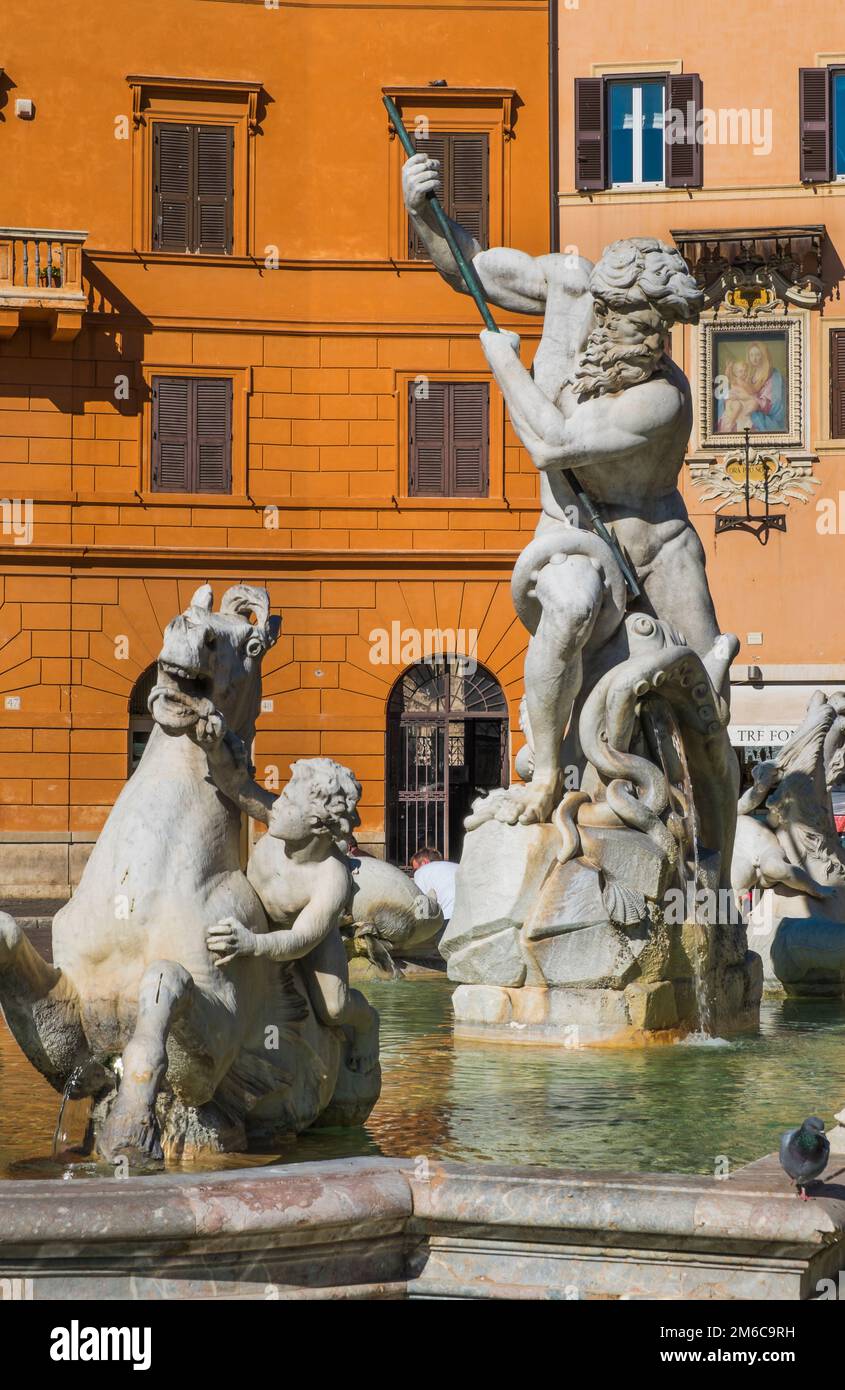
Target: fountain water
{"type": "Point", "coordinates": [70, 1085]}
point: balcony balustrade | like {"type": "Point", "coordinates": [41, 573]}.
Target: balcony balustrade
{"type": "Point", "coordinates": [41, 279]}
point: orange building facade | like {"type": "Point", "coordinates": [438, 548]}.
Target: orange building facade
{"type": "Point", "coordinates": [217, 345]}
{"type": "Point", "coordinates": [303, 300]}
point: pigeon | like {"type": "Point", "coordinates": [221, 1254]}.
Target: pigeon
{"type": "Point", "coordinates": [804, 1153]}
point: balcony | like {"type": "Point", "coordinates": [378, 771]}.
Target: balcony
{"type": "Point", "coordinates": [41, 280]}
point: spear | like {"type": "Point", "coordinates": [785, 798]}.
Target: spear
{"type": "Point", "coordinates": [470, 278]}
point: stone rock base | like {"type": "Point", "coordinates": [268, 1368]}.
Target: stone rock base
{"type": "Point", "coordinates": [803, 951]}
{"type": "Point", "coordinates": [642, 1013]}
{"type": "Point", "coordinates": [568, 1017]}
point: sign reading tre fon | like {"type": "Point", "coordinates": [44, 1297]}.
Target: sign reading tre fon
{"type": "Point", "coordinates": [760, 735]}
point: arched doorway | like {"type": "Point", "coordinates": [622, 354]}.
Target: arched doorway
{"type": "Point", "coordinates": [447, 743]}
{"type": "Point", "coordinates": [140, 722]}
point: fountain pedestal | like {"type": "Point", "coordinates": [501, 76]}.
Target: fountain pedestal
{"type": "Point", "coordinates": [570, 954]}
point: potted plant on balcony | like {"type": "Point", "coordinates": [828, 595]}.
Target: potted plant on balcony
{"type": "Point", "coordinates": [50, 277]}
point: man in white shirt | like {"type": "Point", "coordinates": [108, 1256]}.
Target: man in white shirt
{"type": "Point", "coordinates": [432, 871]}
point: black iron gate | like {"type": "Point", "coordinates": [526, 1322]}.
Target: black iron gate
{"type": "Point", "coordinates": [447, 743]}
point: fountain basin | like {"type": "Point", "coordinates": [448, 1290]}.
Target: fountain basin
{"type": "Point", "coordinates": [386, 1212]}
{"type": "Point", "coordinates": [674, 1108]}
{"type": "Point", "coordinates": [390, 1229]}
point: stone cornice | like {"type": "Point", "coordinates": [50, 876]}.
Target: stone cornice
{"type": "Point", "coordinates": [226, 558]}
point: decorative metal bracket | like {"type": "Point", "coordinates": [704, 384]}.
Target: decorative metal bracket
{"type": "Point", "coordinates": [756, 270]}
{"type": "Point", "coordinates": [761, 524]}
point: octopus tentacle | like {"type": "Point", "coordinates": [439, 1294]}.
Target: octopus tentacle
{"type": "Point", "coordinates": [564, 819]}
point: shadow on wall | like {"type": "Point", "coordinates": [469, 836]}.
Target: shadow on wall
{"type": "Point", "coordinates": [833, 270]}
{"type": "Point", "coordinates": [101, 364]}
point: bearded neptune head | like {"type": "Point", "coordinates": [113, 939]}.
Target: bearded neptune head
{"type": "Point", "coordinates": [640, 288]}
{"type": "Point", "coordinates": [642, 272]}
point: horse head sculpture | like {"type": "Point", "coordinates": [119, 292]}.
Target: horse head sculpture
{"type": "Point", "coordinates": [210, 663]}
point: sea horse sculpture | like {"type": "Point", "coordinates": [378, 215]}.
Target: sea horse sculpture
{"type": "Point", "coordinates": [178, 1052]}
{"type": "Point", "coordinates": [787, 846]}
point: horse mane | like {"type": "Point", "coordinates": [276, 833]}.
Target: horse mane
{"type": "Point", "coordinates": [805, 750]}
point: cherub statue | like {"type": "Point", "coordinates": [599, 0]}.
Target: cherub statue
{"type": "Point", "coordinates": [304, 882]}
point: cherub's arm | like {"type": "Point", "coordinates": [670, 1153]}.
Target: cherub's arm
{"type": "Point", "coordinates": [764, 778]}
{"type": "Point", "coordinates": [229, 937]}
{"type": "Point", "coordinates": [228, 764]}
{"type": "Point", "coordinates": [310, 928]}
{"type": "Point", "coordinates": [599, 430]}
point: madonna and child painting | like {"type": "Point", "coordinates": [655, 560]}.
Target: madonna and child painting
{"type": "Point", "coordinates": [750, 386]}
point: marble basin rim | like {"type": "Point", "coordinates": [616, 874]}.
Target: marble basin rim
{"type": "Point", "coordinates": [373, 1228]}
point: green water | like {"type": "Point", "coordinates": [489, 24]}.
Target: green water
{"type": "Point", "coordinates": [674, 1108]}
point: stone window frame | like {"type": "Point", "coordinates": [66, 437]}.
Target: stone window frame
{"type": "Point", "coordinates": [194, 101]}
{"type": "Point", "coordinates": [402, 381]}
{"type": "Point", "coordinates": [241, 378]}
{"type": "Point", "coordinates": [458, 110]}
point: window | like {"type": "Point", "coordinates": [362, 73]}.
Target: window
{"type": "Point", "coordinates": [464, 175]}
{"type": "Point", "coordinates": [837, 383]}
{"type": "Point", "coordinates": [193, 165]}
{"type": "Point", "coordinates": [638, 132]}
{"type": "Point", "coordinates": [635, 123]}
{"type": "Point", "coordinates": [822, 132]}
{"type": "Point", "coordinates": [839, 125]}
{"type": "Point", "coordinates": [191, 434]}
{"type": "Point", "coordinates": [449, 439]}
{"type": "Point", "coordinates": [192, 195]}
{"type": "Point", "coordinates": [473, 127]}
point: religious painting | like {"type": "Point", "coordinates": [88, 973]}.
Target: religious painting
{"type": "Point", "coordinates": [751, 379]}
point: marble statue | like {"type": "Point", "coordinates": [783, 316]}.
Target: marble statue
{"type": "Point", "coordinates": [389, 917]}
{"type": "Point", "coordinates": [628, 697]}
{"type": "Point", "coordinates": [184, 1048]}
{"type": "Point", "coordinates": [305, 885]}
{"type": "Point", "coordinates": [381, 911]}
{"type": "Point", "coordinates": [787, 848]}
{"type": "Point", "coordinates": [834, 744]}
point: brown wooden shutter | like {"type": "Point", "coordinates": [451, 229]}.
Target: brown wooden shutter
{"type": "Point", "coordinates": [213, 435]}
{"type": "Point", "coordinates": [172, 430]}
{"type": "Point", "coordinates": [683, 160]}
{"type": "Point", "coordinates": [465, 184]}
{"type": "Point", "coordinates": [192, 434]}
{"type": "Point", "coordinates": [837, 383]}
{"type": "Point", "coordinates": [449, 443]}
{"type": "Point", "coordinates": [428, 443]}
{"type": "Point", "coordinates": [214, 163]}
{"type": "Point", "coordinates": [468, 184]}
{"type": "Point", "coordinates": [173, 188]}
{"type": "Point", "coordinates": [470, 414]}
{"type": "Point", "coordinates": [590, 144]}
{"type": "Point", "coordinates": [814, 135]}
